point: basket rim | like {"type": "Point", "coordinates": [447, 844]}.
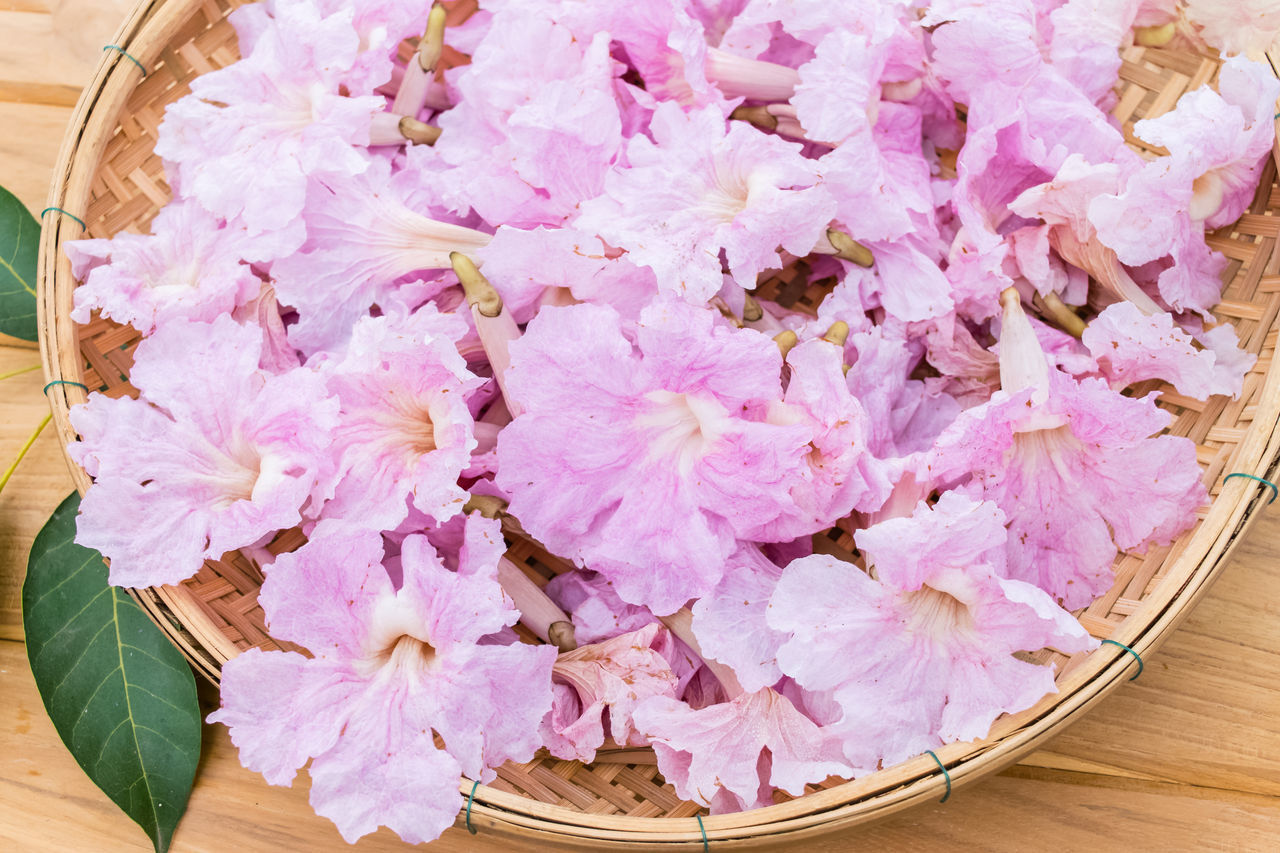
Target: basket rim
{"type": "Point", "coordinates": [144, 35]}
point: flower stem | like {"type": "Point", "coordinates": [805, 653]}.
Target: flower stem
{"type": "Point", "coordinates": [538, 612]}
{"type": "Point", "coordinates": [494, 323]}
{"type": "Point", "coordinates": [4, 478]}
{"type": "Point", "coordinates": [849, 249]}
{"type": "Point", "coordinates": [1062, 314]}
{"type": "Point", "coordinates": [431, 48]}
{"type": "Point", "coordinates": [19, 371]}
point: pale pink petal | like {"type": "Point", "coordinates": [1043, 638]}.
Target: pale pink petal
{"type": "Point", "coordinates": [282, 708]}
{"type": "Point", "coordinates": [945, 633]}
{"type": "Point", "coordinates": [646, 463]}
{"type": "Point", "coordinates": [730, 622]}
{"type": "Point", "coordinates": [739, 748]}
{"type": "Point", "coordinates": [701, 186]}
{"type": "Point", "coordinates": [405, 430]}
{"type": "Point", "coordinates": [216, 455]}
{"type": "Point", "coordinates": [1131, 346]}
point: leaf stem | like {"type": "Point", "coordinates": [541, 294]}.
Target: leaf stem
{"type": "Point", "coordinates": [4, 479]}
{"type": "Point", "coordinates": [19, 371]}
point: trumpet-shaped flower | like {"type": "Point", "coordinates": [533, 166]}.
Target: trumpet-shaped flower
{"type": "Point", "coordinates": [646, 461]}
{"type": "Point", "coordinates": [927, 641]}
{"type": "Point", "coordinates": [190, 267]}
{"type": "Point", "coordinates": [1073, 465]}
{"type": "Point", "coordinates": [246, 139]}
{"type": "Point", "coordinates": [216, 455]}
{"type": "Point", "coordinates": [405, 431]}
{"type": "Point", "coordinates": [391, 668]}
{"type": "Point", "coordinates": [702, 186]}
{"type": "Point", "coordinates": [365, 236]}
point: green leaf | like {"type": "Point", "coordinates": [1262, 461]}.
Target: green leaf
{"type": "Point", "coordinates": [120, 695]}
{"type": "Point", "coordinates": [19, 245]}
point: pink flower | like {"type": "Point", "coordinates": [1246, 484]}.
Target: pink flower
{"type": "Point", "coordinates": [404, 432]}
{"type": "Point", "coordinates": [391, 667]}
{"type": "Point", "coordinates": [731, 755]}
{"type": "Point", "coordinates": [536, 126]}
{"type": "Point", "coordinates": [366, 236]}
{"type": "Point", "coordinates": [646, 462]}
{"type": "Point", "coordinates": [703, 186]}
{"type": "Point", "coordinates": [1073, 466]}
{"type": "Point", "coordinates": [247, 137]}
{"type": "Point", "coordinates": [840, 473]}
{"type": "Point", "coordinates": [1217, 143]}
{"type": "Point", "coordinates": [926, 644]}
{"type": "Point", "coordinates": [610, 677]}
{"type": "Point", "coordinates": [190, 267]}
{"type": "Point", "coordinates": [1131, 346]}
{"type": "Point", "coordinates": [216, 455]}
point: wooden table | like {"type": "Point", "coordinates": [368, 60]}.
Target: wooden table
{"type": "Point", "coordinates": [1187, 757]}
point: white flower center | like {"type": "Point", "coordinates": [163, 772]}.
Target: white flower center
{"type": "Point", "coordinates": [937, 615]}
{"type": "Point", "coordinates": [682, 427]}
{"type": "Point", "coordinates": [176, 278]}
{"type": "Point", "coordinates": [1206, 196]}
{"type": "Point", "coordinates": [397, 646]}
{"type": "Point", "coordinates": [232, 474]}
{"type": "Point", "coordinates": [726, 198]}
{"type": "Point", "coordinates": [1043, 451]}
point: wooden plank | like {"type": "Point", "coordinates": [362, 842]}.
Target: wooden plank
{"type": "Point", "coordinates": [1182, 756]}
{"type": "Point", "coordinates": [57, 41]}
{"type": "Point", "coordinates": [28, 149]}
{"type": "Point", "coordinates": [47, 803]}
{"type": "Point", "coordinates": [1205, 710]}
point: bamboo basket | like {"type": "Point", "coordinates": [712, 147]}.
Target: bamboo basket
{"type": "Point", "coordinates": [108, 176]}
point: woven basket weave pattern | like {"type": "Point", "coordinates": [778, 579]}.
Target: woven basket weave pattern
{"type": "Point", "coordinates": [215, 614]}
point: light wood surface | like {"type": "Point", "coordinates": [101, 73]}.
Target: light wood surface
{"type": "Point", "coordinates": [1185, 758]}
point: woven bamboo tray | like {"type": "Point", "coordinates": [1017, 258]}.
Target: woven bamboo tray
{"type": "Point", "coordinates": [108, 176]}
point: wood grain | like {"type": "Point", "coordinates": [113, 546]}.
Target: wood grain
{"type": "Point", "coordinates": [1184, 758]}
{"type": "Point", "coordinates": [46, 803]}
